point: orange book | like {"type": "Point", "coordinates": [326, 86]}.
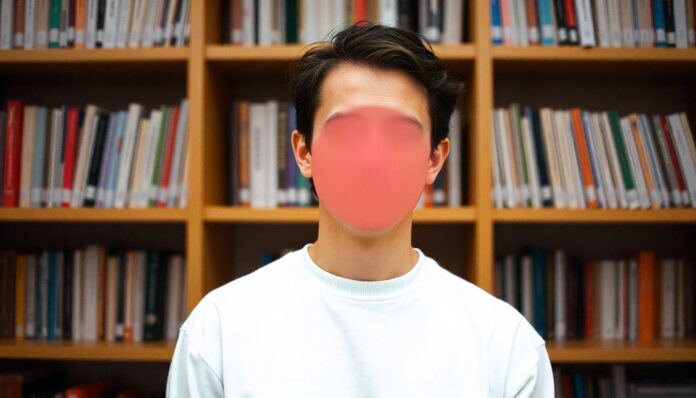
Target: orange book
{"type": "Point", "coordinates": [20, 288]}
{"type": "Point", "coordinates": [584, 158]}
{"type": "Point", "coordinates": [129, 296]}
{"type": "Point", "coordinates": [633, 119]}
{"type": "Point", "coordinates": [80, 17]}
{"type": "Point", "coordinates": [359, 10]}
{"type": "Point", "coordinates": [648, 296]}
{"type": "Point", "coordinates": [243, 156]}
{"type": "Point", "coordinates": [428, 190]}
{"type": "Point", "coordinates": [18, 42]}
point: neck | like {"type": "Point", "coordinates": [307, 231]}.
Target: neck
{"type": "Point", "coordinates": [346, 253]}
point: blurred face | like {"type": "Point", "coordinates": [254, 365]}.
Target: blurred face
{"type": "Point", "coordinates": [370, 156]}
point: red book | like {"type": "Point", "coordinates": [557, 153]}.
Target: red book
{"type": "Point", "coordinates": [673, 156]}
{"type": "Point", "coordinates": [70, 151]}
{"type": "Point", "coordinates": [360, 10]}
{"type": "Point", "coordinates": [571, 20]}
{"type": "Point", "coordinates": [169, 154]}
{"type": "Point", "coordinates": [589, 287]}
{"type": "Point", "coordinates": [13, 153]}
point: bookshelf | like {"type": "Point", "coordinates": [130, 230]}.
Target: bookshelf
{"type": "Point", "coordinates": [218, 239]}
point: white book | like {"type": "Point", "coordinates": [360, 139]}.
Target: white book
{"type": "Point", "coordinates": [257, 125]}
{"type": "Point", "coordinates": [661, 196]}
{"type": "Point", "coordinates": [602, 21]}
{"type": "Point", "coordinates": [6, 24]}
{"type": "Point", "coordinates": [30, 13]}
{"type": "Point", "coordinates": [552, 156]}
{"type": "Point", "coordinates": [684, 151]}
{"type": "Point", "coordinates": [175, 279]}
{"type": "Point", "coordinates": [608, 299]}
{"type": "Point", "coordinates": [639, 179]}
{"type": "Point", "coordinates": [388, 14]}
{"type": "Point", "coordinates": [182, 23]}
{"type": "Point", "coordinates": [77, 296]}
{"type": "Point", "coordinates": [180, 151]}
{"type": "Point", "coordinates": [93, 256]}
{"type": "Point", "coordinates": [647, 169]}
{"type": "Point", "coordinates": [585, 23]}
{"type": "Point", "coordinates": [527, 285]}
{"type": "Point", "coordinates": [271, 154]}
{"type": "Point", "coordinates": [123, 23]}
{"type": "Point", "coordinates": [632, 322]}
{"type": "Point", "coordinates": [140, 9]}
{"type": "Point", "coordinates": [668, 296]}
{"type": "Point", "coordinates": [64, 29]}
{"type": "Point", "coordinates": [135, 112]}
{"type": "Point", "coordinates": [249, 22]}
{"type": "Point", "coordinates": [183, 196]}
{"type": "Point", "coordinates": [56, 176]}
{"type": "Point", "coordinates": [158, 30]}
{"type": "Point", "coordinates": [91, 24]}
{"type": "Point", "coordinates": [497, 175]}
{"type": "Point", "coordinates": [560, 294]}
{"type": "Point", "coordinates": [169, 22]}
{"type": "Point", "coordinates": [454, 176]}
{"type": "Point", "coordinates": [139, 296]}
{"type": "Point", "coordinates": [574, 162]}
{"type": "Point", "coordinates": [84, 153]}
{"type": "Point", "coordinates": [453, 22]}
{"type": "Point", "coordinates": [27, 159]}
{"type": "Point", "coordinates": [265, 22]}
{"type": "Point", "coordinates": [562, 135]}
{"type": "Point", "coordinates": [680, 22]}
{"type": "Point", "coordinates": [509, 189]}
{"type": "Point", "coordinates": [148, 31]}
{"type": "Point", "coordinates": [605, 169]}
{"type": "Point", "coordinates": [615, 27]}
{"type": "Point", "coordinates": [137, 171]}
{"type": "Point", "coordinates": [141, 196]}
{"type": "Point", "coordinates": [30, 297]}
{"type": "Point", "coordinates": [511, 280]}
{"type": "Point", "coordinates": [518, 148]}
{"type": "Point", "coordinates": [532, 166]}
{"type": "Point", "coordinates": [622, 295]}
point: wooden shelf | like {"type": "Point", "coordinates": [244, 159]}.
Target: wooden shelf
{"type": "Point", "coordinates": [589, 351]}
{"type": "Point", "coordinates": [92, 215]}
{"type": "Point", "coordinates": [89, 351]}
{"type": "Point", "coordinates": [292, 52]}
{"type": "Point", "coordinates": [222, 214]}
{"type": "Point", "coordinates": [63, 56]}
{"type": "Point", "coordinates": [552, 54]}
{"type": "Point", "coordinates": [512, 216]}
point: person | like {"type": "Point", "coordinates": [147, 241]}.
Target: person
{"type": "Point", "coordinates": [360, 312]}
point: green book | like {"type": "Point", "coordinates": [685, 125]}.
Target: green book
{"type": "Point", "coordinates": [54, 25]}
{"type": "Point", "coordinates": [627, 174]}
{"type": "Point", "coordinates": [159, 157]}
{"type": "Point", "coordinates": [291, 21]}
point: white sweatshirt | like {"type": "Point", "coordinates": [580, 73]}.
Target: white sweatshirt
{"type": "Point", "coordinates": [292, 329]}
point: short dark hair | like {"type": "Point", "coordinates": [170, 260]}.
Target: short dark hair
{"type": "Point", "coordinates": [380, 47]}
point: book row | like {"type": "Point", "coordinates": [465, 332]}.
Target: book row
{"type": "Point", "coordinates": [267, 22]}
{"type": "Point", "coordinates": [40, 24]}
{"type": "Point", "coordinates": [591, 23]}
{"type": "Point", "coordinates": [617, 382]}
{"type": "Point", "coordinates": [92, 293]}
{"type": "Point", "coordinates": [93, 157]}
{"type": "Point", "coordinates": [263, 172]}
{"type": "Point", "coordinates": [45, 382]}
{"type": "Point", "coordinates": [636, 298]}
{"type": "Point", "coordinates": [581, 159]}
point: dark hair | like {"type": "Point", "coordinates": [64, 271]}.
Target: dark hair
{"type": "Point", "coordinates": [380, 47]}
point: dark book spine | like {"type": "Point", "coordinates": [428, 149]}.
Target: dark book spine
{"type": "Point", "coordinates": [101, 13]}
{"type": "Point", "coordinates": [121, 296]}
{"type": "Point", "coordinates": [282, 163]}
{"type": "Point", "coordinates": [225, 20]}
{"type": "Point", "coordinates": [546, 197]}
{"type": "Point", "coordinates": [561, 24]}
{"type": "Point", "coordinates": [255, 39]}
{"type": "Point", "coordinates": [72, 15]}
{"type": "Point", "coordinates": [67, 294]}
{"type": "Point", "coordinates": [3, 122]}
{"type": "Point", "coordinates": [291, 21]}
{"type": "Point", "coordinates": [177, 17]}
{"type": "Point", "coordinates": [232, 160]}
{"type": "Point", "coordinates": [408, 15]}
{"type": "Point", "coordinates": [669, 23]}
{"type": "Point", "coordinates": [154, 296]}
{"type": "Point", "coordinates": [95, 163]}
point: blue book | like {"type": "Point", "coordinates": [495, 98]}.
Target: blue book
{"type": "Point", "coordinates": [37, 169]}
{"type": "Point", "coordinates": [636, 25]}
{"type": "Point", "coordinates": [546, 23]}
{"type": "Point", "coordinates": [52, 296]}
{"type": "Point", "coordinates": [659, 23]}
{"type": "Point", "coordinates": [496, 25]}
{"type": "Point", "coordinates": [579, 385]}
{"type": "Point", "coordinates": [115, 161]}
{"type": "Point", "coordinates": [109, 147]}
{"type": "Point", "coordinates": [539, 283]}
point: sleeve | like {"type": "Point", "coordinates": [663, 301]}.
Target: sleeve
{"type": "Point", "coordinates": [529, 370]}
{"type": "Point", "coordinates": [189, 373]}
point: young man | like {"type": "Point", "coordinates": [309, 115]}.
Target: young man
{"type": "Point", "coordinates": [360, 312]}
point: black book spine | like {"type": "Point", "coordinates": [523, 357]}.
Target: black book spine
{"type": "Point", "coordinates": [669, 23]}
{"type": "Point", "coordinates": [154, 296]}
{"type": "Point", "coordinates": [68, 282]}
{"type": "Point", "coordinates": [101, 13]}
{"type": "Point", "coordinates": [121, 297]}
{"type": "Point", "coordinates": [177, 22]}
{"type": "Point", "coordinates": [72, 15]}
{"type": "Point", "coordinates": [225, 20]}
{"type": "Point", "coordinates": [95, 163]}
{"type": "Point", "coordinates": [541, 159]}
{"type": "Point", "coordinates": [561, 25]}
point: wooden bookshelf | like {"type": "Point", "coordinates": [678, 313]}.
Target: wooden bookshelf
{"type": "Point", "coordinates": [209, 70]}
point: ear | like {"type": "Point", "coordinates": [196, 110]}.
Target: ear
{"type": "Point", "coordinates": [437, 160]}
{"type": "Point", "coordinates": [302, 155]}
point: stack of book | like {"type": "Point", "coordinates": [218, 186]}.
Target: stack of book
{"type": "Point", "coordinates": [38, 24]}
{"type": "Point", "coordinates": [92, 293]}
{"type": "Point", "coordinates": [581, 159]}
{"type": "Point", "coordinates": [637, 298]}
{"type": "Point", "coordinates": [263, 171]}
{"type": "Point", "coordinates": [590, 23]}
{"type": "Point", "coordinates": [92, 157]}
{"type": "Point", "coordinates": [268, 22]}
{"type": "Point", "coordinates": [617, 382]}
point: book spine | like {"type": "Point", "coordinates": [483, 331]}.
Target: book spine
{"type": "Point", "coordinates": [90, 193]}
